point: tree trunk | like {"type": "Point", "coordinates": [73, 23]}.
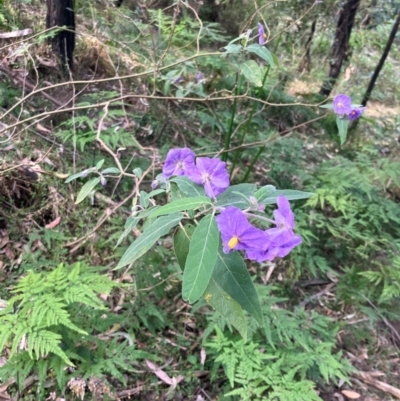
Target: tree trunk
{"type": "Point", "coordinates": [61, 13]}
{"type": "Point", "coordinates": [340, 48]}
{"type": "Point", "coordinates": [382, 60]}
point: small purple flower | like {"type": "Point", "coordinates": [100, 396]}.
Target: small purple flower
{"type": "Point", "coordinates": [355, 113]}
{"type": "Point", "coordinates": [237, 233]}
{"type": "Point", "coordinates": [178, 80]}
{"type": "Point", "coordinates": [261, 34]}
{"type": "Point", "coordinates": [199, 77]}
{"type": "Point", "coordinates": [212, 174]}
{"type": "Point", "coordinates": [342, 104]}
{"type": "Point", "coordinates": [103, 181]}
{"type": "Point", "coordinates": [154, 184]}
{"type": "Point", "coordinates": [282, 238]}
{"type": "Point", "coordinates": [84, 173]}
{"type": "Point", "coordinates": [284, 220]}
{"type": "Point", "coordinates": [178, 162]}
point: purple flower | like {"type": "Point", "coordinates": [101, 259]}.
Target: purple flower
{"type": "Point", "coordinates": [284, 220]}
{"type": "Point", "coordinates": [276, 248]}
{"type": "Point", "coordinates": [212, 174]}
{"type": "Point", "coordinates": [355, 113]}
{"type": "Point", "coordinates": [103, 181]}
{"type": "Point", "coordinates": [342, 104]}
{"type": "Point", "coordinates": [154, 184]}
{"type": "Point", "coordinates": [261, 34]}
{"type": "Point", "coordinates": [178, 162]}
{"type": "Point", "coordinates": [237, 233]}
{"type": "Point", "coordinates": [178, 80]}
{"type": "Point", "coordinates": [199, 77]}
{"type": "Point", "coordinates": [282, 238]}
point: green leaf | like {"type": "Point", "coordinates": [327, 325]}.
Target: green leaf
{"type": "Point", "coordinates": [252, 72]}
{"type": "Point", "coordinates": [181, 243]}
{"type": "Point", "coordinates": [203, 250]}
{"type": "Point", "coordinates": [229, 198]}
{"type": "Point", "coordinates": [291, 194]}
{"type": "Point", "coordinates": [129, 225]}
{"type": "Point", "coordinates": [156, 192]}
{"type": "Point", "coordinates": [264, 192]}
{"type": "Point", "coordinates": [327, 106]}
{"type": "Point", "coordinates": [231, 274]}
{"type": "Point", "coordinates": [262, 52]}
{"type": "Point", "coordinates": [86, 189]}
{"type": "Point", "coordinates": [77, 175]}
{"type": "Point", "coordinates": [227, 307]}
{"type": "Point", "coordinates": [233, 49]}
{"type": "Point", "coordinates": [182, 204]}
{"type": "Point", "coordinates": [137, 171]}
{"type": "Point", "coordinates": [189, 187]}
{"type": "Point", "coordinates": [144, 199]}
{"type": "Point", "coordinates": [148, 238]}
{"type": "Point", "coordinates": [99, 164]}
{"type": "Point", "coordinates": [342, 124]}
{"type": "Point", "coordinates": [111, 170]}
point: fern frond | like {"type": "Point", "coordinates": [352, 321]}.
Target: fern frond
{"type": "Point", "coordinates": [43, 342]}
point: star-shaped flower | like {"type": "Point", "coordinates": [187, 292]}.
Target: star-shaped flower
{"type": "Point", "coordinates": [342, 104]}
{"type": "Point", "coordinates": [355, 113]}
{"type": "Point", "coordinates": [212, 174]}
{"type": "Point", "coordinates": [178, 162]}
{"type": "Point", "coordinates": [237, 233]}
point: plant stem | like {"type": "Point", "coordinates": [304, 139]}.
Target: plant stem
{"type": "Point", "coordinates": [224, 156]}
{"type": "Point", "coordinates": [250, 169]}
{"type": "Point", "coordinates": [250, 119]}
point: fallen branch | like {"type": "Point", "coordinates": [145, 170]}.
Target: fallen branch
{"type": "Point", "coordinates": [16, 34]}
{"type": "Point", "coordinates": [386, 388]}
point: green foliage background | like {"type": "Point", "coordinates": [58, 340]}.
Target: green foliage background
{"type": "Point", "coordinates": [60, 308]}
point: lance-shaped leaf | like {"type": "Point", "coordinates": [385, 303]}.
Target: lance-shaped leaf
{"type": "Point", "coordinates": [267, 195]}
{"type": "Point", "coordinates": [203, 250]}
{"type": "Point", "coordinates": [252, 72]}
{"type": "Point", "coordinates": [342, 124]}
{"type": "Point", "coordinates": [235, 196]}
{"type": "Point", "coordinates": [226, 306]}
{"type": "Point", "coordinates": [148, 238]}
{"type": "Point", "coordinates": [182, 204]}
{"type": "Point", "coordinates": [86, 189]}
{"type": "Point", "coordinates": [264, 53]}
{"type": "Point", "coordinates": [181, 243]}
{"type": "Point", "coordinates": [189, 187]}
{"type": "Point", "coordinates": [230, 273]}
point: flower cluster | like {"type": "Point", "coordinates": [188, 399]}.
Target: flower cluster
{"type": "Point", "coordinates": [211, 173]}
{"type": "Point", "coordinates": [342, 106]}
{"type": "Point", "coordinates": [238, 234]}
{"type": "Point", "coordinates": [236, 231]}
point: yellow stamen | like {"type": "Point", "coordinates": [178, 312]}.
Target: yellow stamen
{"type": "Point", "coordinates": [233, 242]}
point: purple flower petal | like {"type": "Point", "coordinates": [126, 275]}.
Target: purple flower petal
{"type": "Point", "coordinates": [212, 174]}
{"type": "Point", "coordinates": [237, 233]}
{"type": "Point", "coordinates": [342, 104]}
{"type": "Point", "coordinates": [178, 162]}
{"type": "Point", "coordinates": [199, 77]}
{"type": "Point", "coordinates": [261, 34]}
{"type": "Point", "coordinates": [274, 250]}
{"type": "Point", "coordinates": [355, 113]}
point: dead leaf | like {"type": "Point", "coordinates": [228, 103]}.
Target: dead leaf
{"type": "Point", "coordinates": [54, 223]}
{"type": "Point", "coordinates": [42, 129]}
{"type": "Point", "coordinates": [351, 394]}
{"type": "Point", "coordinates": [160, 373]}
